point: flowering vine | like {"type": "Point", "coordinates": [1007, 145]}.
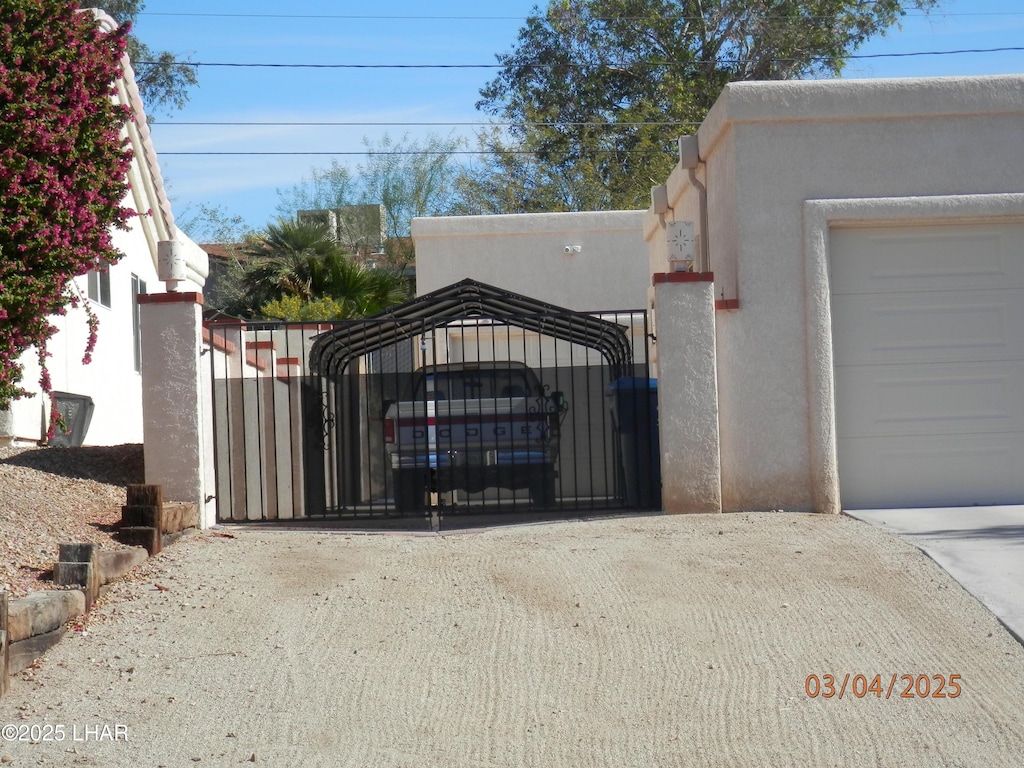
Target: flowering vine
{"type": "Point", "coordinates": [63, 171]}
{"type": "Point", "coordinates": [94, 326]}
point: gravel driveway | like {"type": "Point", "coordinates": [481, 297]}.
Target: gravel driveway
{"type": "Point", "coordinates": [647, 641]}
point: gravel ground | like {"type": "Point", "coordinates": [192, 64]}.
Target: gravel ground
{"type": "Point", "coordinates": [53, 495]}
{"type": "Point", "coordinates": [648, 641]}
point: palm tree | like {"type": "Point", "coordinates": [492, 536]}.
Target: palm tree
{"type": "Point", "coordinates": [279, 260]}
{"type": "Point", "coordinates": [303, 260]}
{"type": "Point", "coordinates": [358, 289]}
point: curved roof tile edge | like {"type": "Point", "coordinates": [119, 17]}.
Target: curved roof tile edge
{"type": "Point", "coordinates": [145, 152]}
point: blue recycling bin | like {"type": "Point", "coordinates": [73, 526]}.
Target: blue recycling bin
{"type": "Point", "coordinates": [633, 402]}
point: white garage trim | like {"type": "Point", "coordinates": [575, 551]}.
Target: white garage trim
{"type": "Point", "coordinates": [818, 217]}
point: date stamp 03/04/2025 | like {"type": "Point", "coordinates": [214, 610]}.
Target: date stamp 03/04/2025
{"type": "Point", "coordinates": [894, 686]}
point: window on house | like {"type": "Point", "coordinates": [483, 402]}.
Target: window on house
{"type": "Point", "coordinates": [99, 286]}
{"type": "Point", "coordinates": [138, 287]}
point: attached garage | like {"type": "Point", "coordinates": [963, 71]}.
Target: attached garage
{"type": "Point", "coordinates": [857, 338]}
{"type": "Point", "coordinates": [928, 345]}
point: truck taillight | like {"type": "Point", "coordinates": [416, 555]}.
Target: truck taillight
{"type": "Point", "coordinates": [389, 431]}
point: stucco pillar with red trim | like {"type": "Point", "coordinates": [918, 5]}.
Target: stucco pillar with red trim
{"type": "Point", "coordinates": [173, 397]}
{"type": "Point", "coordinates": [691, 469]}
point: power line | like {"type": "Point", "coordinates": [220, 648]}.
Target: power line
{"type": "Point", "coordinates": [935, 53]}
{"type": "Point", "coordinates": [370, 17]}
{"type": "Point", "coordinates": [405, 152]}
{"type": "Point", "coordinates": [430, 124]}
{"type": "Point", "coordinates": [316, 66]}
{"type": "Point", "coordinates": [652, 64]}
{"type": "Point", "coordinates": [343, 17]}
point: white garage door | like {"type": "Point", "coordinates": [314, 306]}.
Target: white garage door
{"type": "Point", "coordinates": [928, 334]}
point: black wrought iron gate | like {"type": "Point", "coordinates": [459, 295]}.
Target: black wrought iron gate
{"type": "Point", "coordinates": [446, 407]}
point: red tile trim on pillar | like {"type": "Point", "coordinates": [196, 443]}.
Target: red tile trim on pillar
{"type": "Point", "coordinates": [660, 278]}
{"type": "Point", "coordinates": [218, 341]}
{"type": "Point", "coordinates": [171, 298]}
{"type": "Point", "coordinates": [284, 366]}
{"type": "Point", "coordinates": [683, 277]}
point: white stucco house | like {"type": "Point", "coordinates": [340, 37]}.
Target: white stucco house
{"type": "Point", "coordinates": [112, 381]}
{"type": "Point", "coordinates": [847, 334]}
{"type": "Point", "coordinates": [850, 333]}
{"type": "Point", "coordinates": [854, 337]}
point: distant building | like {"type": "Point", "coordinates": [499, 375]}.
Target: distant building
{"type": "Point", "coordinates": [360, 229]}
{"type": "Point", "coordinates": [221, 283]}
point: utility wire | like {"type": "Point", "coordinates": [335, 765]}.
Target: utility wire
{"type": "Point", "coordinates": [432, 124]}
{"type": "Point", "coordinates": [344, 17]}
{"type": "Point", "coordinates": [368, 17]}
{"type": "Point", "coordinates": [415, 152]}
{"type": "Point", "coordinates": [651, 64]}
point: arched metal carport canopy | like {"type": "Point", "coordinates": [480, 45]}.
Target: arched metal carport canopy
{"type": "Point", "coordinates": [333, 351]}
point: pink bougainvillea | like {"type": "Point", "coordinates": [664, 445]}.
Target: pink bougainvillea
{"type": "Point", "coordinates": [63, 169]}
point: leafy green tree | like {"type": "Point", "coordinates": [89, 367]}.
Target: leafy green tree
{"type": "Point", "coordinates": [351, 291]}
{"type": "Point", "coordinates": [279, 261]}
{"type": "Point", "coordinates": [324, 188]}
{"type": "Point", "coordinates": [407, 177]}
{"type": "Point", "coordinates": [215, 224]}
{"type": "Point", "coordinates": [597, 90]}
{"type": "Point", "coordinates": [294, 264]}
{"type": "Point", "coordinates": [510, 180]}
{"type": "Point", "coordinates": [294, 309]}
{"type": "Point", "coordinates": [212, 224]}
{"type": "Point", "coordinates": [164, 83]}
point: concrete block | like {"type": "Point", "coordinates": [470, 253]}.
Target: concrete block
{"type": "Point", "coordinates": [115, 563]}
{"type": "Point", "coordinates": [71, 570]}
{"type": "Point", "coordinates": [84, 575]}
{"type": "Point", "coordinates": [142, 536]}
{"type": "Point", "coordinates": [24, 652]}
{"type": "Point", "coordinates": [5, 654]}
{"type": "Point", "coordinates": [5, 663]}
{"type": "Point", "coordinates": [172, 517]}
{"type": "Point", "coordinates": [77, 552]}
{"type": "Point", "coordinates": [140, 514]}
{"type": "Point", "coordinates": [74, 573]}
{"type": "Point", "coordinates": [145, 495]}
{"type": "Point", "coordinates": [179, 515]}
{"type": "Point", "coordinates": [43, 612]}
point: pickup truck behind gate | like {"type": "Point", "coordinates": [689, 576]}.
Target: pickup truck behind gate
{"type": "Point", "coordinates": [473, 426]}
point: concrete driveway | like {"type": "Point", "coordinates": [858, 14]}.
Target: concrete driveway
{"type": "Point", "coordinates": [980, 547]}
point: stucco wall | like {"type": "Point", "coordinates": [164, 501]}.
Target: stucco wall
{"type": "Point", "coordinates": [768, 148]}
{"type": "Point", "coordinates": [110, 379]}
{"type": "Point", "coordinates": [526, 253]}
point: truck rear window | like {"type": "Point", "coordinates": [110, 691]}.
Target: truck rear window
{"type": "Point", "coordinates": [472, 385]}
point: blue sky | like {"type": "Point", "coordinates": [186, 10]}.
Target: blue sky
{"type": "Point", "coordinates": [411, 32]}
